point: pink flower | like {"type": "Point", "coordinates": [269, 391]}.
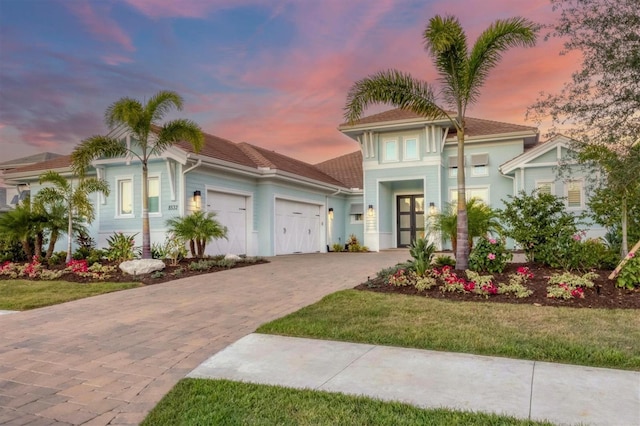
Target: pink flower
{"type": "Point", "coordinates": [492, 241]}
{"type": "Point", "coordinates": [576, 237]}
{"type": "Point", "coordinates": [491, 256]}
{"type": "Point", "coordinates": [631, 254]}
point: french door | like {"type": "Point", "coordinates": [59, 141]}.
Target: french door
{"type": "Point", "coordinates": [410, 224]}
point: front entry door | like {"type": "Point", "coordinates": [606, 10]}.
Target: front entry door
{"type": "Point", "coordinates": [410, 210]}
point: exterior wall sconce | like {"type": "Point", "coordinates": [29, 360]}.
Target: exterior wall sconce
{"type": "Point", "coordinates": [370, 210]}
{"type": "Point", "coordinates": [331, 213]}
{"type": "Point", "coordinates": [432, 208]}
{"type": "Point", "coordinates": [197, 199]}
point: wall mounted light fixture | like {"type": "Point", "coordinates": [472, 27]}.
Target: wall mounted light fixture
{"type": "Point", "coordinates": [432, 208]}
{"type": "Point", "coordinates": [331, 213]}
{"type": "Point", "coordinates": [197, 199]}
{"type": "Point", "coordinates": [370, 210]}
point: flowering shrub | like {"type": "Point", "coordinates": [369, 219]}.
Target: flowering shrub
{"type": "Point", "coordinates": [425, 283]}
{"type": "Point", "coordinates": [451, 280]}
{"type": "Point", "coordinates": [76, 266]}
{"type": "Point", "coordinates": [516, 285]}
{"type": "Point", "coordinates": [481, 284]}
{"type": "Point", "coordinates": [48, 275]}
{"type": "Point", "coordinates": [569, 286]}
{"type": "Point", "coordinates": [402, 278]}
{"type": "Point", "coordinates": [489, 255]}
{"type": "Point", "coordinates": [98, 271]}
{"type": "Point", "coordinates": [33, 269]}
{"type": "Point", "coordinates": [630, 274]}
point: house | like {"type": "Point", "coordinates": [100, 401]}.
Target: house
{"type": "Point", "coordinates": [10, 195]}
{"type": "Point", "coordinates": [273, 204]}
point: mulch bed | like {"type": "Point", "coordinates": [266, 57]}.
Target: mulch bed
{"type": "Point", "coordinates": [604, 295]}
{"type": "Point", "coordinates": [170, 273]}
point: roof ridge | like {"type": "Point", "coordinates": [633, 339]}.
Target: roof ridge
{"type": "Point", "coordinates": [255, 156]}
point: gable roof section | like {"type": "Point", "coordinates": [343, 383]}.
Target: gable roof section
{"type": "Point", "coordinates": [535, 152]}
{"type": "Point", "coordinates": [62, 162]}
{"type": "Point", "coordinates": [475, 126]}
{"type": "Point", "coordinates": [346, 168]}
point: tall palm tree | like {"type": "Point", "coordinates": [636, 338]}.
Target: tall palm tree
{"type": "Point", "coordinates": [75, 198]}
{"type": "Point", "coordinates": [462, 74]}
{"type": "Point", "coordinates": [148, 139]}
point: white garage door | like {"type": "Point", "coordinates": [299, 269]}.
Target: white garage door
{"type": "Point", "coordinates": [297, 227]}
{"type": "Point", "coordinates": [231, 211]}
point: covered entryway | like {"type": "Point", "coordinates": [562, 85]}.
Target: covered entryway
{"type": "Point", "coordinates": [410, 224]}
{"type": "Point", "coordinates": [297, 227]}
{"type": "Point", "coordinates": [231, 211]}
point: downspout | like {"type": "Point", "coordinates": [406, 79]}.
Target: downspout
{"type": "Point", "coordinates": [184, 185]}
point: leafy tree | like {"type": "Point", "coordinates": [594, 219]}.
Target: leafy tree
{"type": "Point", "coordinates": [149, 139]}
{"type": "Point", "coordinates": [75, 199]}
{"type": "Point", "coordinates": [599, 107]}
{"type": "Point", "coordinates": [21, 224]}
{"type": "Point", "coordinates": [198, 228]}
{"type": "Point", "coordinates": [482, 220]}
{"type": "Point", "coordinates": [462, 74]}
{"type": "Point", "coordinates": [536, 221]}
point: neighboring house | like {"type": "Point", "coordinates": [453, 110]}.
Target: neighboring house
{"type": "Point", "coordinates": [410, 169]}
{"type": "Point", "coordinates": [10, 195]}
{"type": "Point", "coordinates": [273, 204]}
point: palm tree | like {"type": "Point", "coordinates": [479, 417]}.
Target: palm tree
{"type": "Point", "coordinates": [21, 224]}
{"type": "Point", "coordinates": [198, 228]}
{"type": "Point", "coordinates": [148, 139]}
{"type": "Point", "coordinates": [462, 74]}
{"type": "Point", "coordinates": [76, 199]}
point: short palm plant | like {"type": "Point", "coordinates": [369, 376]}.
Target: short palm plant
{"type": "Point", "coordinates": [198, 228]}
{"type": "Point", "coordinates": [482, 220]}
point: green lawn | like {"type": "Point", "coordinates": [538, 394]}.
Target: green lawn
{"type": "Point", "coordinates": [594, 337]}
{"type": "Point", "coordinates": [20, 295]}
{"type": "Point", "coordinates": [222, 402]}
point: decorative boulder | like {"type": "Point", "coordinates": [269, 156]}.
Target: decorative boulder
{"type": "Point", "coordinates": [141, 266]}
{"type": "Point", "coordinates": [232, 257]}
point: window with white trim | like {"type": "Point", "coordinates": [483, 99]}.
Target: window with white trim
{"type": "Point", "coordinates": [391, 150]}
{"type": "Point", "coordinates": [154, 194]}
{"type": "Point", "coordinates": [411, 149]}
{"type": "Point", "coordinates": [479, 164]}
{"type": "Point", "coordinates": [575, 194]}
{"type": "Point", "coordinates": [453, 166]}
{"type": "Point", "coordinates": [546, 187]}
{"type": "Point", "coordinates": [356, 213]}
{"type": "Point", "coordinates": [481, 193]}
{"type": "Point", "coordinates": [124, 197]}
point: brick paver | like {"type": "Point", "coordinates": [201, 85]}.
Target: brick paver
{"type": "Point", "coordinates": [109, 359]}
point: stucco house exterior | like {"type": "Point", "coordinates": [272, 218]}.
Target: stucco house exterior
{"type": "Point", "coordinates": [273, 204]}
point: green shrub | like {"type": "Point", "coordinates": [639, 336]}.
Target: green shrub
{"type": "Point", "coordinates": [444, 260]}
{"type": "Point", "coordinates": [489, 255]}
{"type": "Point", "coordinates": [58, 258]}
{"type": "Point", "coordinates": [629, 276]}
{"type": "Point", "coordinates": [421, 251]}
{"type": "Point", "coordinates": [337, 247]}
{"type": "Point", "coordinates": [122, 247]}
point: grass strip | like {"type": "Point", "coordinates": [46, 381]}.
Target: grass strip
{"type": "Point", "coordinates": [20, 295]}
{"type": "Point", "coordinates": [223, 402]}
{"type": "Point", "coordinates": [593, 337]}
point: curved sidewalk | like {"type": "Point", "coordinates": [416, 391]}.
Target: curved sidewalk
{"type": "Point", "coordinates": [109, 359]}
{"type": "Point", "coordinates": [560, 393]}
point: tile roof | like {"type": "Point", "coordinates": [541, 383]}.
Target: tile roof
{"type": "Point", "coordinates": [475, 126]}
{"type": "Point", "coordinates": [61, 162]}
{"type": "Point", "coordinates": [346, 168]}
{"type": "Point", "coordinates": [36, 158]}
{"type": "Point", "coordinates": [222, 149]}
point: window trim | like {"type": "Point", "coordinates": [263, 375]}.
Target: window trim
{"type": "Point", "coordinates": [118, 206]}
{"type": "Point", "coordinates": [483, 159]}
{"type": "Point", "coordinates": [454, 190]}
{"type": "Point", "coordinates": [552, 185]}
{"type": "Point", "coordinates": [386, 159]}
{"type": "Point", "coordinates": [582, 194]}
{"type": "Point", "coordinates": [159, 177]}
{"type": "Point", "coordinates": [417, 151]}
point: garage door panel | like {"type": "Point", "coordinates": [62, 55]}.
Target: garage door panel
{"type": "Point", "coordinates": [297, 227]}
{"type": "Point", "coordinates": [231, 211]}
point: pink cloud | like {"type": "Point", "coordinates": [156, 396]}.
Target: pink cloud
{"type": "Point", "coordinates": [100, 24]}
{"type": "Point", "coordinates": [184, 9]}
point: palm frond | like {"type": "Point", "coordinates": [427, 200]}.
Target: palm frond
{"type": "Point", "coordinates": [395, 88]}
{"type": "Point", "coordinates": [161, 103]}
{"type": "Point", "coordinates": [125, 111]}
{"type": "Point", "coordinates": [54, 178]}
{"type": "Point", "coordinates": [487, 51]}
{"type": "Point", "coordinates": [93, 148]}
{"type": "Point", "coordinates": [179, 130]}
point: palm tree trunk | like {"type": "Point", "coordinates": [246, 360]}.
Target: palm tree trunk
{"type": "Point", "coordinates": [146, 237]}
{"type": "Point", "coordinates": [69, 233]}
{"type": "Point", "coordinates": [26, 247]}
{"type": "Point", "coordinates": [462, 249]}
{"type": "Point", "coordinates": [53, 238]}
{"type": "Point", "coordinates": [39, 244]}
{"type": "Point", "coordinates": [192, 247]}
{"type": "Point", "coordinates": [625, 243]}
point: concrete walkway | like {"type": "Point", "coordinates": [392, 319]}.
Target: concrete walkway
{"type": "Point", "coordinates": [564, 394]}
{"type": "Point", "coordinates": [109, 359]}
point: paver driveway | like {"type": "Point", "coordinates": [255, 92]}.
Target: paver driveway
{"type": "Point", "coordinates": [109, 359]}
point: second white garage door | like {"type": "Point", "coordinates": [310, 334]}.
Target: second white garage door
{"type": "Point", "coordinates": [297, 227]}
{"type": "Point", "coordinates": [231, 211]}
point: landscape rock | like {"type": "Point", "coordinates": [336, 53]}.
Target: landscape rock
{"type": "Point", "coordinates": [232, 257]}
{"type": "Point", "coordinates": [141, 266]}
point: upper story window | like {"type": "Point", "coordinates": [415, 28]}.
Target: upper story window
{"type": "Point", "coordinates": [391, 150]}
{"type": "Point", "coordinates": [575, 194]}
{"type": "Point", "coordinates": [411, 149]}
{"type": "Point", "coordinates": [154, 194]}
{"type": "Point", "coordinates": [479, 164]}
{"type": "Point", "coordinates": [481, 192]}
{"type": "Point", "coordinates": [546, 187]}
{"type": "Point", "coordinates": [124, 197]}
{"type": "Point", "coordinates": [356, 213]}
{"type": "Point", "coordinates": [453, 166]}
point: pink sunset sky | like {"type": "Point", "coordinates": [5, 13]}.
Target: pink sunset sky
{"type": "Point", "coordinates": [272, 73]}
